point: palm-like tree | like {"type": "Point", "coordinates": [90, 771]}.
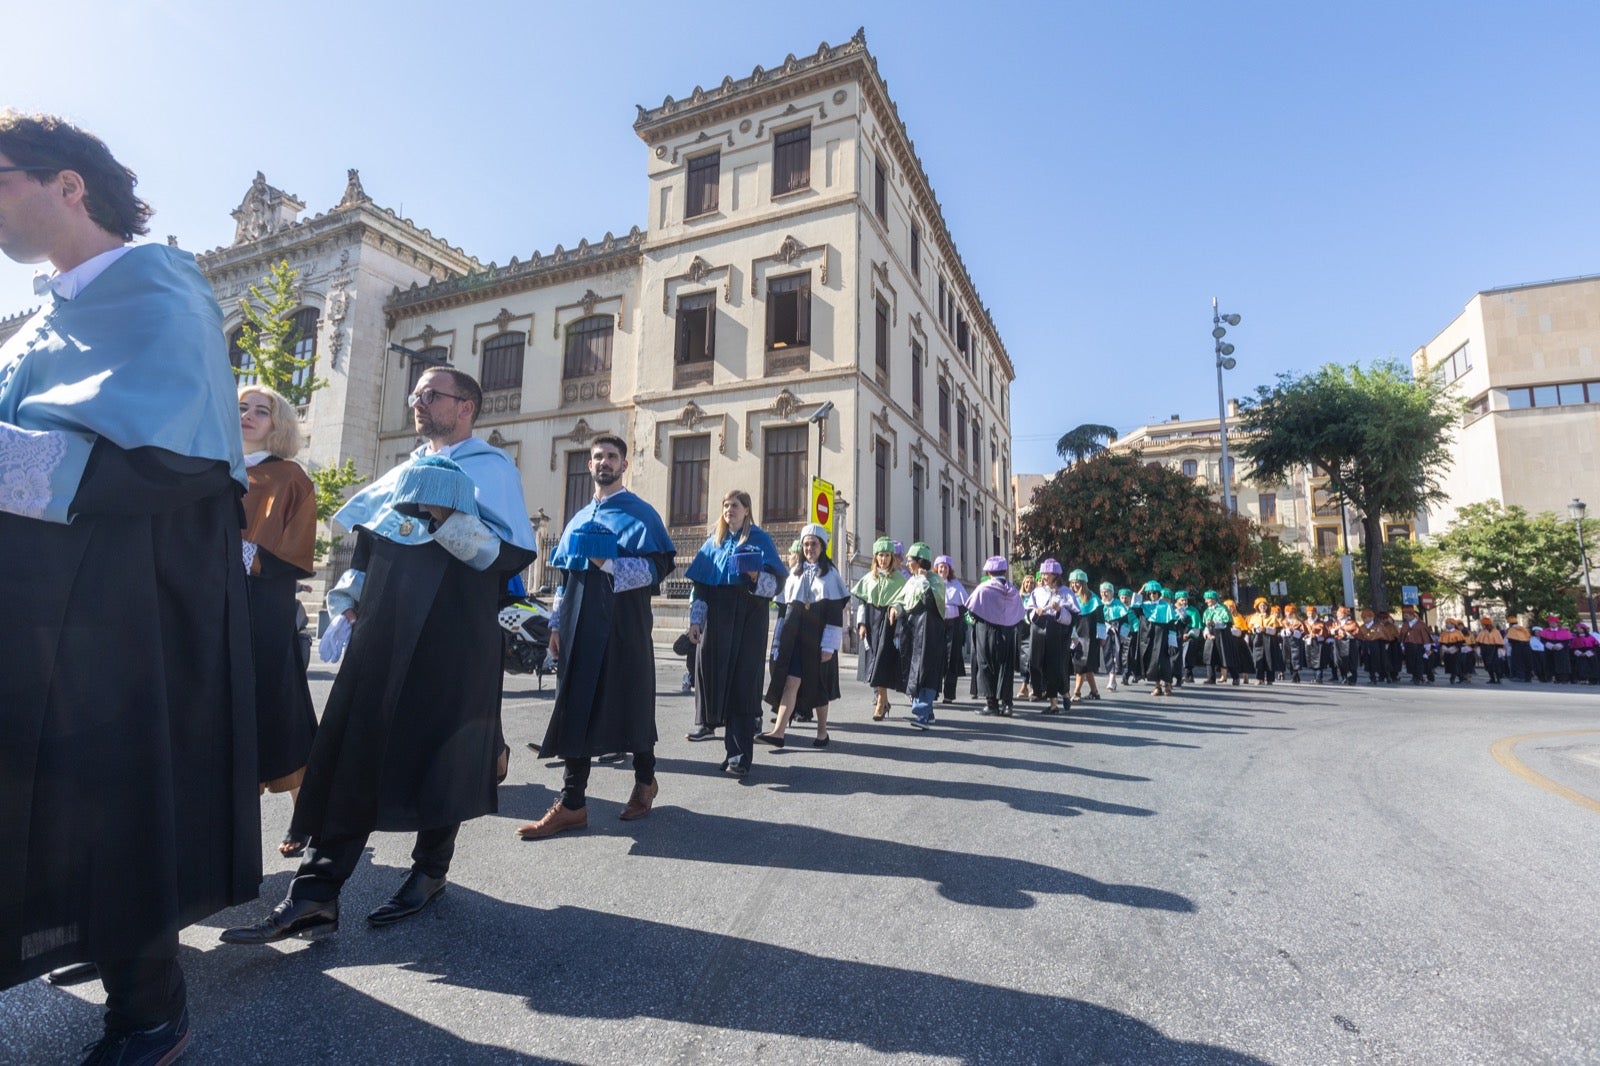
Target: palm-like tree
{"type": "Point", "coordinates": [1084, 442]}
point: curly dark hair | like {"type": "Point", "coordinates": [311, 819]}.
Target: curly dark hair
{"type": "Point", "coordinates": [48, 141]}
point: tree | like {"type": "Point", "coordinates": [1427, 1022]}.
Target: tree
{"type": "Point", "coordinates": [1310, 581]}
{"type": "Point", "coordinates": [1378, 435]}
{"type": "Point", "coordinates": [268, 337]}
{"type": "Point", "coordinates": [1528, 563]}
{"type": "Point", "coordinates": [1125, 522]}
{"type": "Point", "coordinates": [1405, 562]}
{"type": "Point", "coordinates": [330, 483]}
{"type": "Point", "coordinates": [1084, 442]}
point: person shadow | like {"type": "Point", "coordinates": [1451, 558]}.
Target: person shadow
{"type": "Point", "coordinates": [723, 995]}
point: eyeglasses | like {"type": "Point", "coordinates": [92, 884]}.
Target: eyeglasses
{"type": "Point", "coordinates": [39, 170]}
{"type": "Point", "coordinates": [426, 397]}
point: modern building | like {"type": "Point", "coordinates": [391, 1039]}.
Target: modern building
{"type": "Point", "coordinates": [1527, 360]}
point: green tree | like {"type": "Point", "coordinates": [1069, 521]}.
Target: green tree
{"type": "Point", "coordinates": [330, 483]}
{"type": "Point", "coordinates": [1405, 562]}
{"type": "Point", "coordinates": [1310, 581]}
{"type": "Point", "coordinates": [1084, 442]}
{"type": "Point", "coordinates": [1377, 434]}
{"type": "Point", "coordinates": [268, 337]}
{"type": "Point", "coordinates": [1126, 522]}
{"type": "Point", "coordinates": [1527, 562]}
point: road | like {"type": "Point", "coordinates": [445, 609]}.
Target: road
{"type": "Point", "coordinates": [1301, 874]}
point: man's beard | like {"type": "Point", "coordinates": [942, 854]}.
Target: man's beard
{"type": "Point", "coordinates": [605, 478]}
{"type": "Point", "coordinates": [430, 427]}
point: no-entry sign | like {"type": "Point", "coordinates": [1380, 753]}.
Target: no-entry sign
{"type": "Point", "coordinates": [822, 502]}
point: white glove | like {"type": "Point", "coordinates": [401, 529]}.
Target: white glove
{"type": "Point", "coordinates": [334, 641]}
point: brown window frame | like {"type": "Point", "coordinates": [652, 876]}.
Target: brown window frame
{"type": "Point", "coordinates": [501, 363]}
{"type": "Point", "coordinates": [880, 338]}
{"type": "Point", "coordinates": [578, 486]}
{"type": "Point", "coordinates": [584, 355]}
{"type": "Point", "coordinates": [791, 160]}
{"type": "Point", "coordinates": [784, 483]}
{"type": "Point", "coordinates": [880, 486]}
{"type": "Point", "coordinates": [789, 312]}
{"type": "Point", "coordinates": [688, 306]}
{"type": "Point", "coordinates": [689, 483]}
{"type": "Point", "coordinates": [702, 184]}
{"type": "Point", "coordinates": [880, 190]}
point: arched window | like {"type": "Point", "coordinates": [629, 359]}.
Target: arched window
{"type": "Point", "coordinates": [304, 336]}
{"type": "Point", "coordinates": [240, 359]}
{"type": "Point", "coordinates": [588, 347]}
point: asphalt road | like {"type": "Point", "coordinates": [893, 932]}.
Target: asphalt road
{"type": "Point", "coordinates": [1301, 874]}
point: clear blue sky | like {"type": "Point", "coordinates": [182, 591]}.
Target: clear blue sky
{"type": "Point", "coordinates": [1345, 176]}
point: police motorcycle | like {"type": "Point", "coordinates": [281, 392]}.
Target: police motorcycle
{"type": "Point", "coordinates": [525, 631]}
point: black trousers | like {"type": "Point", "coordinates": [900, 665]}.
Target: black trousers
{"type": "Point", "coordinates": [330, 862]}
{"type": "Point", "coordinates": [145, 991]}
{"type": "Point", "coordinates": [738, 740]}
{"type": "Point", "coordinates": [575, 780]}
{"type": "Point", "coordinates": [955, 639]}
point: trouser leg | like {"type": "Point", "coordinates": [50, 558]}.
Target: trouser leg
{"type": "Point", "coordinates": [145, 991]}
{"type": "Point", "coordinates": [575, 783]}
{"type": "Point", "coordinates": [434, 849]}
{"type": "Point", "coordinates": [738, 739]}
{"type": "Point", "coordinates": [328, 864]}
{"type": "Point", "coordinates": [644, 766]}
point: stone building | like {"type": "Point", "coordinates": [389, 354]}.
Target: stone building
{"type": "Point", "coordinates": [795, 306]}
{"type": "Point", "coordinates": [1526, 358]}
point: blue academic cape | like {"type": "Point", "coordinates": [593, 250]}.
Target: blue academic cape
{"type": "Point", "coordinates": [496, 485]}
{"type": "Point", "coordinates": [713, 563]}
{"type": "Point", "coordinates": [639, 530]}
{"type": "Point", "coordinates": [82, 369]}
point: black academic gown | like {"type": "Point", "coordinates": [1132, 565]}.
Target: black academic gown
{"type": "Point", "coordinates": [411, 732]}
{"type": "Point", "coordinates": [606, 696]}
{"type": "Point", "coordinates": [730, 663]}
{"type": "Point", "coordinates": [922, 645]}
{"type": "Point", "coordinates": [128, 780]}
{"type": "Point", "coordinates": [800, 641]}
{"type": "Point", "coordinates": [878, 662]}
{"type": "Point", "coordinates": [286, 719]}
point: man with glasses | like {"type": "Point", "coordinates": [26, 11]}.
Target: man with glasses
{"type": "Point", "coordinates": [128, 801]}
{"type": "Point", "coordinates": [410, 740]}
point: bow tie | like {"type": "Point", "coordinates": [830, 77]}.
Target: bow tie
{"type": "Point", "coordinates": [42, 284]}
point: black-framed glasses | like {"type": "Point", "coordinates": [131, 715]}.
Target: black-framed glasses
{"type": "Point", "coordinates": [426, 397]}
{"type": "Point", "coordinates": [38, 170]}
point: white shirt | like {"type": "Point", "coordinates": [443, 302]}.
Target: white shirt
{"type": "Point", "coordinates": [70, 284]}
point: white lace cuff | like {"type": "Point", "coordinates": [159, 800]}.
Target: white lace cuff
{"type": "Point", "coordinates": [249, 547]}
{"type": "Point", "coordinates": [468, 539]}
{"type": "Point", "coordinates": [698, 609]}
{"type": "Point", "coordinates": [40, 471]}
{"type": "Point", "coordinates": [631, 573]}
{"type": "Point", "coordinates": [766, 586]}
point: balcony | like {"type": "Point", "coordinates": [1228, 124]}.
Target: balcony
{"type": "Point", "coordinates": [593, 389]}
{"type": "Point", "coordinates": [688, 375]}
{"type": "Point", "coordinates": [788, 361]}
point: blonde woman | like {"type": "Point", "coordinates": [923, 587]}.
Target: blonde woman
{"type": "Point", "coordinates": [279, 538]}
{"type": "Point", "coordinates": [878, 663]}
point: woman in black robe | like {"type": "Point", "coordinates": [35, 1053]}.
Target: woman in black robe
{"type": "Point", "coordinates": [996, 610]}
{"type": "Point", "coordinates": [1052, 610]}
{"type": "Point", "coordinates": [878, 658]}
{"type": "Point", "coordinates": [807, 677]}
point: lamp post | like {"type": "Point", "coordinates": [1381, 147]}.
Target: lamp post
{"type": "Point", "coordinates": [1576, 509]}
{"type": "Point", "coordinates": [1225, 361]}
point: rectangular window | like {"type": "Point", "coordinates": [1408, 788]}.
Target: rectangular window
{"type": "Point", "coordinates": [502, 362]}
{"type": "Point", "coordinates": [580, 487]}
{"type": "Point", "coordinates": [783, 474]}
{"type": "Point", "coordinates": [944, 518]}
{"type": "Point", "coordinates": [944, 408]}
{"type": "Point", "coordinates": [916, 251]}
{"type": "Point", "coordinates": [941, 298]}
{"type": "Point", "coordinates": [697, 333]}
{"type": "Point", "coordinates": [961, 429]}
{"type": "Point", "coordinates": [994, 536]}
{"type": "Point", "coordinates": [962, 508]}
{"type": "Point", "coordinates": [705, 175]}
{"type": "Point", "coordinates": [791, 160]}
{"type": "Point", "coordinates": [588, 347]}
{"type": "Point", "coordinates": [880, 496]}
{"type": "Point", "coordinates": [916, 501]}
{"type": "Point", "coordinates": [690, 488]}
{"type": "Point", "coordinates": [1268, 502]}
{"type": "Point", "coordinates": [789, 312]}
{"type": "Point", "coordinates": [1398, 533]}
{"type": "Point", "coordinates": [962, 340]}
{"type": "Point", "coordinates": [916, 381]}
{"type": "Point", "coordinates": [1570, 394]}
{"type": "Point", "coordinates": [1519, 398]}
{"type": "Point", "coordinates": [1544, 396]}
{"type": "Point", "coordinates": [1327, 541]}
{"type": "Point", "coordinates": [977, 447]}
{"type": "Point", "coordinates": [881, 338]}
{"type": "Point", "coordinates": [880, 191]}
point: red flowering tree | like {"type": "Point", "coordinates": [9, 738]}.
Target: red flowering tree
{"type": "Point", "coordinates": [1126, 522]}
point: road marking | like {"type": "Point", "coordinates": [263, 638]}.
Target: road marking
{"type": "Point", "coordinates": [1504, 752]}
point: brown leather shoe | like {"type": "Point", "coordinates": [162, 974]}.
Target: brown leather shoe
{"type": "Point", "coordinates": [639, 803]}
{"type": "Point", "coordinates": [558, 819]}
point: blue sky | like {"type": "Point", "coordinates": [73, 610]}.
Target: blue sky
{"type": "Point", "coordinates": [1345, 176]}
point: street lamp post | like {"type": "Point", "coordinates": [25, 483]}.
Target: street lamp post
{"type": "Point", "coordinates": [1576, 509]}
{"type": "Point", "coordinates": [1225, 361]}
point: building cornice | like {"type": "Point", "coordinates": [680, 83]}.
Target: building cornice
{"type": "Point", "coordinates": [340, 224]}
{"type": "Point", "coordinates": [539, 271]}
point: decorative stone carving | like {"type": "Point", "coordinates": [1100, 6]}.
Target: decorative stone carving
{"type": "Point", "coordinates": [784, 409]}
{"type": "Point", "coordinates": [788, 252]}
{"type": "Point", "coordinates": [503, 319]}
{"type": "Point", "coordinates": [353, 192]}
{"type": "Point", "coordinates": [428, 333]}
{"type": "Point", "coordinates": [581, 433]}
{"type": "Point", "coordinates": [881, 421]}
{"type": "Point", "coordinates": [699, 270]}
{"type": "Point", "coordinates": [264, 210]}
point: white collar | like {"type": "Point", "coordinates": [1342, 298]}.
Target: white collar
{"type": "Point", "coordinates": [255, 458]}
{"type": "Point", "coordinates": [69, 284]}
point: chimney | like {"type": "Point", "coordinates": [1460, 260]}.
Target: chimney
{"type": "Point", "coordinates": [1233, 408]}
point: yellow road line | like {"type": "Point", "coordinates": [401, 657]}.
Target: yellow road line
{"type": "Point", "coordinates": [1504, 752]}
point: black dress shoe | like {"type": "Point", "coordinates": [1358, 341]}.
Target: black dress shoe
{"type": "Point", "coordinates": [292, 917]}
{"type": "Point", "coordinates": [76, 974]}
{"type": "Point", "coordinates": [705, 732]}
{"type": "Point", "coordinates": [416, 892]}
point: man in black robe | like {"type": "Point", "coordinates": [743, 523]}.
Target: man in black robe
{"type": "Point", "coordinates": [614, 554]}
{"type": "Point", "coordinates": [410, 740]}
{"type": "Point", "coordinates": [128, 801]}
